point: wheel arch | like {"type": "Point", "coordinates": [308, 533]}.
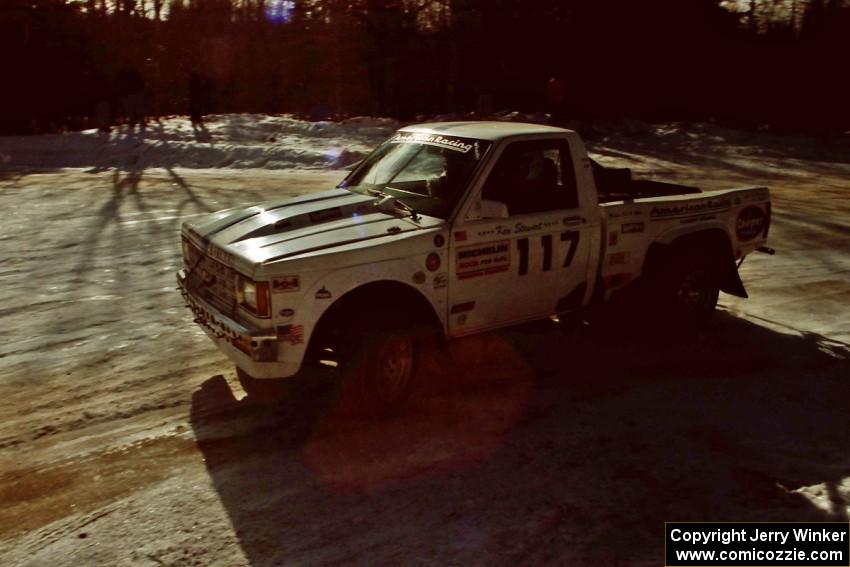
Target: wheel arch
{"type": "Point", "coordinates": [714, 243]}
{"type": "Point", "coordinates": [375, 301]}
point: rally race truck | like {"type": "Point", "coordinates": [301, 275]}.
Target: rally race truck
{"type": "Point", "coordinates": [450, 229]}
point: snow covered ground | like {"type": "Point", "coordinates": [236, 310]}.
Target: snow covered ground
{"type": "Point", "coordinates": [236, 141]}
{"type": "Point", "coordinates": [125, 438]}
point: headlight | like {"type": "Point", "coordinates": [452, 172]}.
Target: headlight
{"type": "Point", "coordinates": [253, 296]}
{"type": "Point", "coordinates": [248, 294]}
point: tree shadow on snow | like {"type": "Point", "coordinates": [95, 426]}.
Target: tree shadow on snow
{"type": "Point", "coordinates": [534, 447]}
{"type": "Point", "coordinates": [747, 155]}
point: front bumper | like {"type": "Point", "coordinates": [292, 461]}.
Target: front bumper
{"type": "Point", "coordinates": [254, 350]}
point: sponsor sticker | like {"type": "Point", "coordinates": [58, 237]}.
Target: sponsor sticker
{"type": "Point", "coordinates": [449, 142]}
{"type": "Point", "coordinates": [286, 284]}
{"type": "Point", "coordinates": [632, 227]}
{"type": "Point", "coordinates": [323, 293]}
{"type": "Point", "coordinates": [750, 223]}
{"type": "Point", "coordinates": [441, 280]}
{"type": "Point", "coordinates": [463, 307]}
{"type": "Point", "coordinates": [618, 258]}
{"type": "Point", "coordinates": [662, 212]}
{"type": "Point", "coordinates": [520, 227]}
{"type": "Point", "coordinates": [498, 230]}
{"type": "Point", "coordinates": [287, 313]}
{"type": "Point", "coordinates": [483, 259]}
{"type": "Point", "coordinates": [624, 214]}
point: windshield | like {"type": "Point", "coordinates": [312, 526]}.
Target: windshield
{"type": "Point", "coordinates": [427, 172]}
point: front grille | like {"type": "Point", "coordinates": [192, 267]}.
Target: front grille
{"type": "Point", "coordinates": [211, 280]}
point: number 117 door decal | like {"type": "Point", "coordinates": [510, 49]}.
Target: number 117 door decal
{"type": "Point", "coordinates": [570, 237]}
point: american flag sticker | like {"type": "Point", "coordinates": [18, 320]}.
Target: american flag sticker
{"type": "Point", "coordinates": [295, 335]}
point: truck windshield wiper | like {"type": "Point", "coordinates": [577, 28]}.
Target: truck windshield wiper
{"type": "Point", "coordinates": [389, 202]}
{"type": "Point", "coordinates": [377, 193]}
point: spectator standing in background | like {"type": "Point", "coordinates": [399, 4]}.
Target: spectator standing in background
{"type": "Point", "coordinates": [556, 101]}
{"type": "Point", "coordinates": [197, 99]}
{"type": "Point", "coordinates": [101, 88]}
{"type": "Point", "coordinates": [131, 89]}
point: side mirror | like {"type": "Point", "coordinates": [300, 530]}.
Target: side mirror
{"type": "Point", "coordinates": [487, 209]}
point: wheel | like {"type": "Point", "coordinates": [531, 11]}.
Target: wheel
{"type": "Point", "coordinates": [263, 391]}
{"type": "Point", "coordinates": [383, 369]}
{"type": "Point", "coordinates": [390, 368]}
{"type": "Point", "coordinates": [573, 326]}
{"type": "Point", "coordinates": [689, 288]}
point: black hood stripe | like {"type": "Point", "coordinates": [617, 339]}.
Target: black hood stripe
{"type": "Point", "coordinates": [329, 227]}
{"type": "Point", "coordinates": [324, 247]}
{"type": "Point", "coordinates": [332, 194]}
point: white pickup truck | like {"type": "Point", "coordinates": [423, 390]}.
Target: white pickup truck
{"type": "Point", "coordinates": [455, 228]}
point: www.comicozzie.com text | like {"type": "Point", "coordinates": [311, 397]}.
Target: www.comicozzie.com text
{"type": "Point", "coordinates": [728, 536]}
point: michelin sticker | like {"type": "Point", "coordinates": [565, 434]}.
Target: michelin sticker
{"type": "Point", "coordinates": [483, 259]}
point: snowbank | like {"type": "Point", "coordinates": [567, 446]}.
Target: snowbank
{"type": "Point", "coordinates": [258, 141]}
{"type": "Point", "coordinates": [226, 141]}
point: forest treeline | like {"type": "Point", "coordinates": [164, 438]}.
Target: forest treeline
{"type": "Point", "coordinates": [777, 62]}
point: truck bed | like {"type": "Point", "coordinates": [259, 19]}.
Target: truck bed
{"type": "Point", "coordinates": [616, 184]}
{"type": "Point", "coordinates": [632, 225]}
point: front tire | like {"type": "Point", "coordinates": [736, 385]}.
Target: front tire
{"type": "Point", "coordinates": [382, 372]}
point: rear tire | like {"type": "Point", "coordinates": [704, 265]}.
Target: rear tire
{"type": "Point", "coordinates": [688, 288]}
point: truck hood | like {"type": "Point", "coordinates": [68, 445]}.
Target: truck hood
{"type": "Point", "coordinates": [315, 223]}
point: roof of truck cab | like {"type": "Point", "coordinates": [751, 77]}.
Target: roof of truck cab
{"type": "Point", "coordinates": [484, 130]}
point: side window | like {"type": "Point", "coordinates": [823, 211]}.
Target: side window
{"type": "Point", "coordinates": [532, 177]}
